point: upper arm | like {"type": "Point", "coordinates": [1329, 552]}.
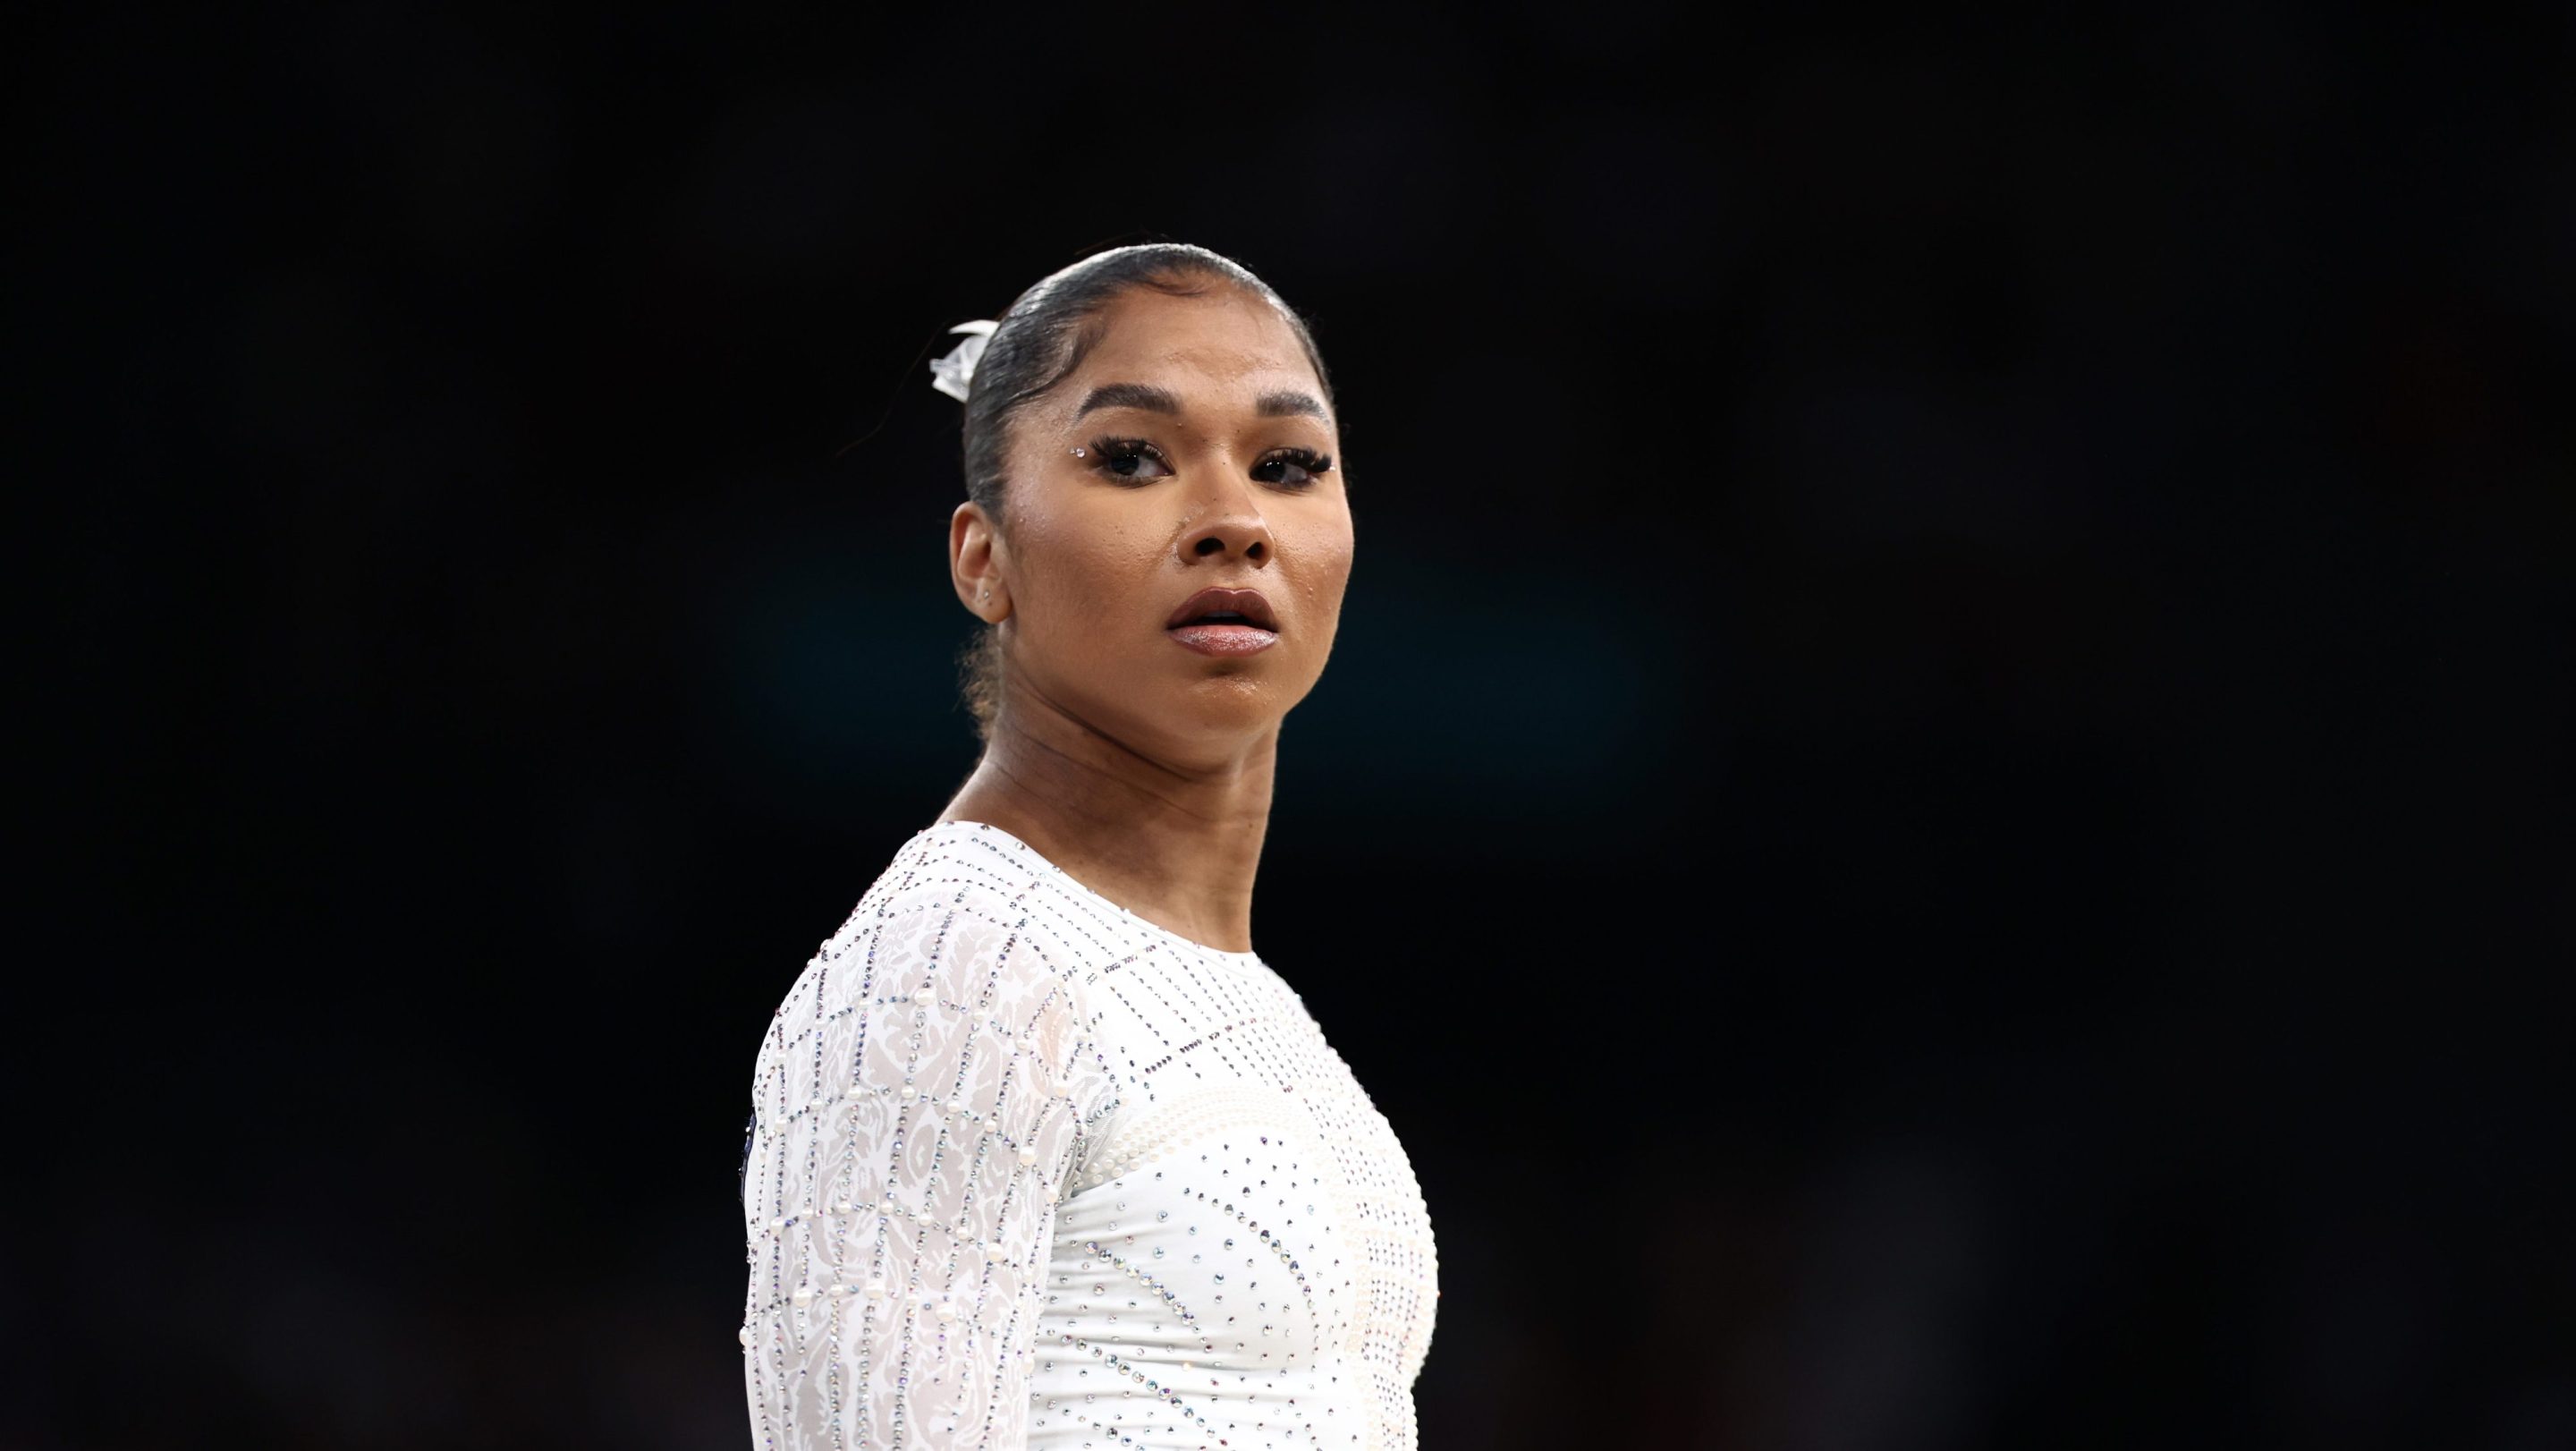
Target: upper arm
{"type": "Point", "coordinates": [916, 1117]}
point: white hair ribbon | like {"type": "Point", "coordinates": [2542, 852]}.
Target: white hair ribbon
{"type": "Point", "coordinates": [951, 374]}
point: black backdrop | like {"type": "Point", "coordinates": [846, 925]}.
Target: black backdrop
{"type": "Point", "coordinates": [1938, 814]}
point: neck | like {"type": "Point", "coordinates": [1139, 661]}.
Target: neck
{"type": "Point", "coordinates": [1176, 844]}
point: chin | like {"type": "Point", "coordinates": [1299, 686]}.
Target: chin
{"type": "Point", "coordinates": [1230, 703]}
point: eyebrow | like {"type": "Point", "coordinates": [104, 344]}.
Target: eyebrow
{"type": "Point", "coordinates": [1284, 404]}
{"type": "Point", "coordinates": [1288, 405]}
{"type": "Point", "coordinates": [1129, 395]}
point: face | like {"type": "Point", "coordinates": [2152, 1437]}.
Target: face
{"type": "Point", "coordinates": [1191, 449]}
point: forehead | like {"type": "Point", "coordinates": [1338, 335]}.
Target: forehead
{"type": "Point", "coordinates": [1224, 338]}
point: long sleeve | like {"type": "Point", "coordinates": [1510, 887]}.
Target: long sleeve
{"type": "Point", "coordinates": [919, 1104]}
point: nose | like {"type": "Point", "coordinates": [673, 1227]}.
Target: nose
{"type": "Point", "coordinates": [1231, 525]}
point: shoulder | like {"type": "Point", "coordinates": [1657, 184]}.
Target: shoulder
{"type": "Point", "coordinates": [953, 899]}
{"type": "Point", "coordinates": [953, 863]}
{"type": "Point", "coordinates": [949, 918]}
{"type": "Point", "coordinates": [938, 953]}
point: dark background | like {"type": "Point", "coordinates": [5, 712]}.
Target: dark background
{"type": "Point", "coordinates": [1939, 814]}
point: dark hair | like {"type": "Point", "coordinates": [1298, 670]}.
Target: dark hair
{"type": "Point", "coordinates": [1040, 340]}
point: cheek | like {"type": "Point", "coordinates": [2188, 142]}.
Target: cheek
{"type": "Point", "coordinates": [1077, 572]}
{"type": "Point", "coordinates": [1328, 571]}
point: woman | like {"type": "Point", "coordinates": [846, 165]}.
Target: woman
{"type": "Point", "coordinates": [1043, 1154]}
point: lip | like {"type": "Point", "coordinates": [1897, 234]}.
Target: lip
{"type": "Point", "coordinates": [1248, 603]}
{"type": "Point", "coordinates": [1223, 639]}
{"type": "Point", "coordinates": [1228, 638]}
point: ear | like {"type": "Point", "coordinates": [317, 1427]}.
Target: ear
{"type": "Point", "coordinates": [974, 564]}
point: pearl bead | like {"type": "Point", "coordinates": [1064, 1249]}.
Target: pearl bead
{"type": "Point", "coordinates": [925, 997]}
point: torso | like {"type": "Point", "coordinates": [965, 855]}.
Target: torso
{"type": "Point", "coordinates": [1244, 1250]}
{"type": "Point", "coordinates": [1236, 1252]}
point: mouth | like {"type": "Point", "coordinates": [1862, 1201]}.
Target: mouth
{"type": "Point", "coordinates": [1220, 606]}
{"type": "Point", "coordinates": [1224, 622]}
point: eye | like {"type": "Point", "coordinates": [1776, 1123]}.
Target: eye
{"type": "Point", "coordinates": [1294, 467]}
{"type": "Point", "coordinates": [1130, 458]}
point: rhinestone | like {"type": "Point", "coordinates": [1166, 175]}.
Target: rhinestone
{"type": "Point", "coordinates": [993, 904]}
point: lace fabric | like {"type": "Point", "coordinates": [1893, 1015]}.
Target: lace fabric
{"type": "Point", "coordinates": [1027, 1170]}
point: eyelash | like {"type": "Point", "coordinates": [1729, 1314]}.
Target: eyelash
{"type": "Point", "coordinates": [1113, 450]}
